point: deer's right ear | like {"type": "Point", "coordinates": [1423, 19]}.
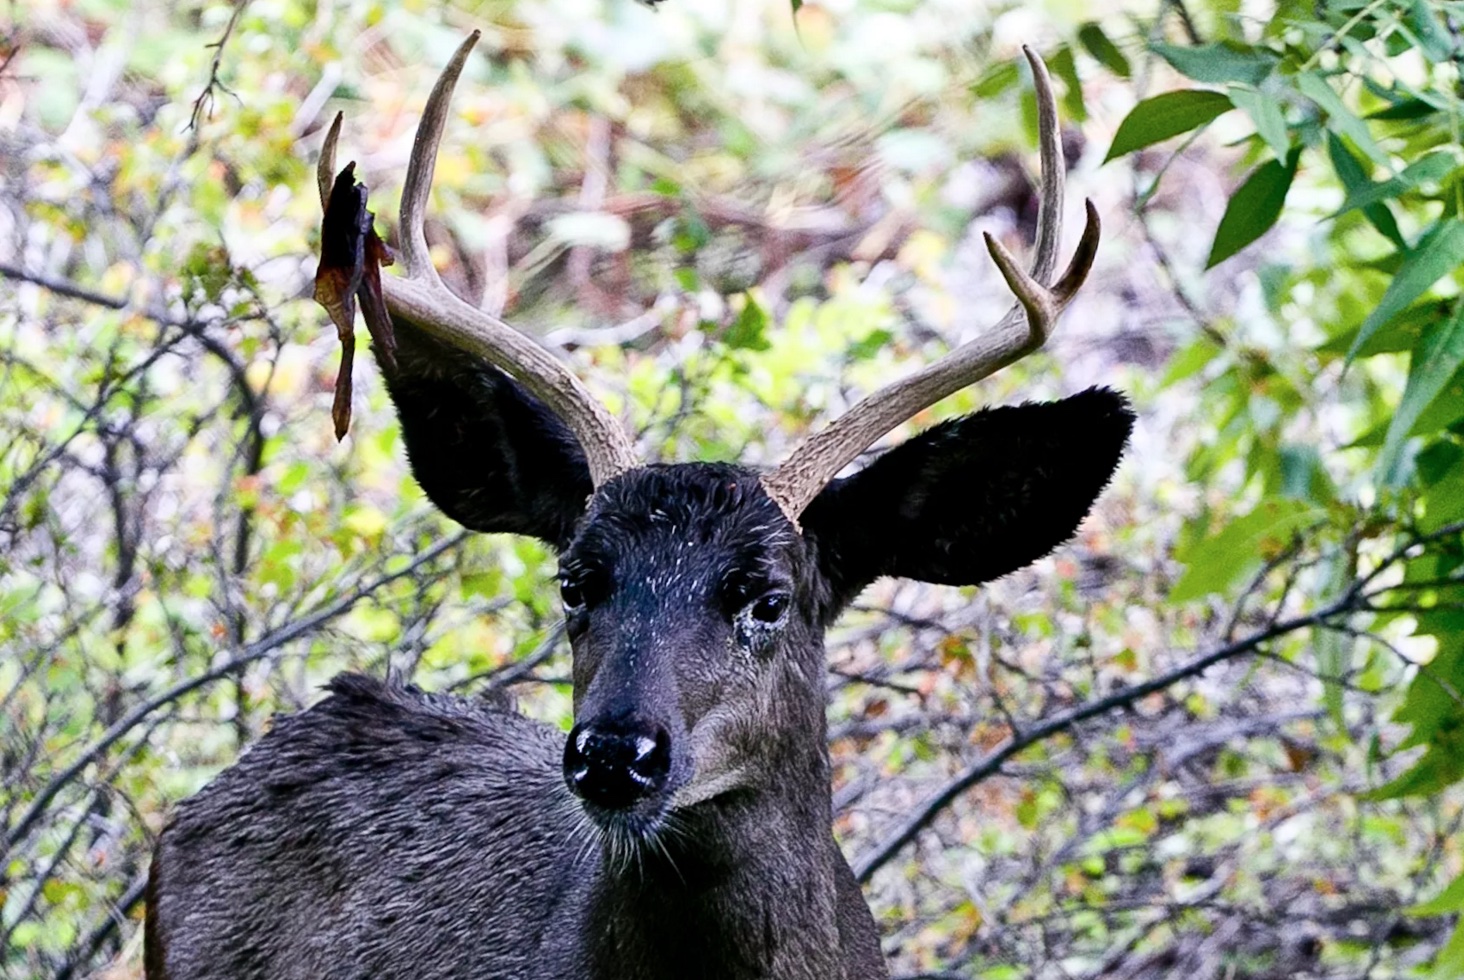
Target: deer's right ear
{"type": "Point", "coordinates": [490, 455]}
{"type": "Point", "coordinates": [972, 499]}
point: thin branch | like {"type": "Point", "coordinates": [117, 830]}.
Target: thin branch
{"type": "Point", "coordinates": [511, 673]}
{"type": "Point", "coordinates": [64, 287]}
{"type": "Point", "coordinates": [204, 102]}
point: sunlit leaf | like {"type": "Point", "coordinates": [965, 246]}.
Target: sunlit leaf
{"type": "Point", "coordinates": [1266, 112]}
{"type": "Point", "coordinates": [749, 330]}
{"type": "Point", "coordinates": [1432, 36]}
{"type": "Point", "coordinates": [1340, 119]}
{"type": "Point", "coordinates": [1429, 168]}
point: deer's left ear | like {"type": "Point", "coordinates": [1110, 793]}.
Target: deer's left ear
{"type": "Point", "coordinates": [970, 499]}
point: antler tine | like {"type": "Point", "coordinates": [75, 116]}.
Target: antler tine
{"type": "Point", "coordinates": [416, 260]}
{"type": "Point", "coordinates": [1050, 157]}
{"type": "Point", "coordinates": [421, 298]}
{"type": "Point", "coordinates": [813, 464]}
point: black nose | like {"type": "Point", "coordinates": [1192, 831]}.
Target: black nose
{"type": "Point", "coordinates": [616, 764]}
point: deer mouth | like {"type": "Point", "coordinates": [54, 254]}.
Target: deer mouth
{"type": "Point", "coordinates": [627, 838]}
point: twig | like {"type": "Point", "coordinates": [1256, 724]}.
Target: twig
{"type": "Point", "coordinates": [1176, 286]}
{"type": "Point", "coordinates": [204, 102]}
{"type": "Point", "coordinates": [1270, 565]}
{"type": "Point", "coordinates": [1186, 21]}
{"type": "Point", "coordinates": [9, 57]}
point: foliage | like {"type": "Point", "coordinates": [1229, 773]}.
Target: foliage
{"type": "Point", "coordinates": [1365, 100]}
{"type": "Point", "coordinates": [1215, 735]}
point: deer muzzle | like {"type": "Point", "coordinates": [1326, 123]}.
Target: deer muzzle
{"type": "Point", "coordinates": [617, 764]}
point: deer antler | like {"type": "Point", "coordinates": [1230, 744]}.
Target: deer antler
{"type": "Point", "coordinates": [1021, 331]}
{"type": "Point", "coordinates": [421, 298]}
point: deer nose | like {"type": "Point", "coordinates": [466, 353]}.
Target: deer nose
{"type": "Point", "coordinates": [615, 765]}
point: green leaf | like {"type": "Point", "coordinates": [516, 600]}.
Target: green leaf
{"type": "Point", "coordinates": [1332, 649]}
{"type": "Point", "coordinates": [1223, 558]}
{"type": "Point", "coordinates": [1268, 116]}
{"type": "Point", "coordinates": [1444, 504]}
{"type": "Point", "coordinates": [1063, 67]}
{"type": "Point", "coordinates": [996, 81]}
{"type": "Point", "coordinates": [1429, 703]}
{"type": "Point", "coordinates": [1340, 119]}
{"type": "Point", "coordinates": [1446, 410]}
{"type": "Point", "coordinates": [1304, 475]}
{"type": "Point", "coordinates": [1219, 63]}
{"type": "Point", "coordinates": [1354, 180]}
{"type": "Point", "coordinates": [1092, 38]}
{"type": "Point", "coordinates": [1451, 899]}
{"type": "Point", "coordinates": [1434, 363]}
{"type": "Point", "coordinates": [749, 330]}
{"type": "Point", "coordinates": [1432, 37]}
{"type": "Point", "coordinates": [1402, 333]}
{"type": "Point", "coordinates": [1405, 110]}
{"type": "Point", "coordinates": [1442, 765]}
{"type": "Point", "coordinates": [1157, 119]}
{"type": "Point", "coordinates": [1191, 360]}
{"type": "Point", "coordinates": [1440, 252]}
{"type": "Point", "coordinates": [874, 342]}
{"type": "Point", "coordinates": [1253, 208]}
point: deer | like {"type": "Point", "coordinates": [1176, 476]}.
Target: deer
{"type": "Point", "coordinates": [683, 828]}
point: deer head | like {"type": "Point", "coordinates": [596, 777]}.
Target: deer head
{"type": "Point", "coordinates": [696, 595]}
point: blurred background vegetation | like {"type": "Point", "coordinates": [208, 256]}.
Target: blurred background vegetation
{"type": "Point", "coordinates": [1217, 736]}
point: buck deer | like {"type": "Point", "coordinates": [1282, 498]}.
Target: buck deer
{"type": "Point", "coordinates": [683, 829]}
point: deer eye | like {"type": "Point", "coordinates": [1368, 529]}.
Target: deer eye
{"type": "Point", "coordinates": [769, 607]}
{"type": "Point", "coordinates": [572, 593]}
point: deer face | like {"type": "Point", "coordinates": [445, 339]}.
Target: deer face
{"type": "Point", "coordinates": [687, 601]}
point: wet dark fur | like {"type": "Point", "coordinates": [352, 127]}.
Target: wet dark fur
{"type": "Point", "coordinates": [393, 834]}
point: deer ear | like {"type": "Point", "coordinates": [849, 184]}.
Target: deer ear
{"type": "Point", "coordinates": [971, 499]}
{"type": "Point", "coordinates": [490, 455]}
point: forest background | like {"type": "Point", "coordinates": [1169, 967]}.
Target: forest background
{"type": "Point", "coordinates": [1219, 735]}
